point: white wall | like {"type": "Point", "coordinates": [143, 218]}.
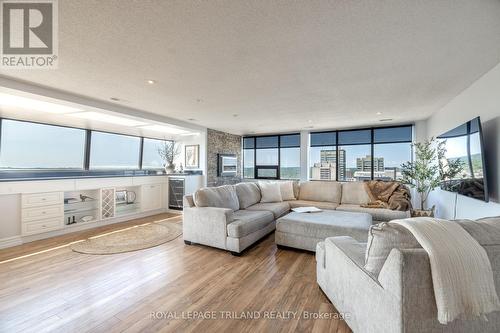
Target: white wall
{"type": "Point", "coordinates": [194, 140]}
{"type": "Point", "coordinates": [481, 99]}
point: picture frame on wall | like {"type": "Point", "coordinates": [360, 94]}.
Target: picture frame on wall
{"type": "Point", "coordinates": [192, 156]}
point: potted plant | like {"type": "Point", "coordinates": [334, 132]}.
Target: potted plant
{"type": "Point", "coordinates": [168, 151]}
{"type": "Point", "coordinates": [428, 170]}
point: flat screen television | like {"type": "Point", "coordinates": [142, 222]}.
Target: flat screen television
{"type": "Point", "coordinates": [465, 143]}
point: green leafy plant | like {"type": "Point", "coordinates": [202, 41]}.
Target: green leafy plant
{"type": "Point", "coordinates": [429, 168]}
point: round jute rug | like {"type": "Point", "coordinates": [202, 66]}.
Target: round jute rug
{"type": "Point", "coordinates": [130, 239]}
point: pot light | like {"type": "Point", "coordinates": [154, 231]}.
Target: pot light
{"type": "Point", "coordinates": [151, 81]}
{"type": "Point", "coordinates": [165, 129]}
{"type": "Point", "coordinates": [106, 118]}
{"type": "Point", "coordinates": [34, 104]}
{"type": "Point", "coordinates": [379, 113]}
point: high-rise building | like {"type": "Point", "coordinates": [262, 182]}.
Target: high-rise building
{"type": "Point", "coordinates": [330, 157]}
{"type": "Point", "coordinates": [365, 164]}
{"type": "Point", "coordinates": [323, 171]}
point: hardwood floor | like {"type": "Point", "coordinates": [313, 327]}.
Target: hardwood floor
{"type": "Point", "coordinates": [169, 288]}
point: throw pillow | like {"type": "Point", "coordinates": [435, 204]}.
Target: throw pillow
{"type": "Point", "coordinates": [270, 192]}
{"type": "Point", "coordinates": [382, 238]}
{"type": "Point", "coordinates": [287, 190]}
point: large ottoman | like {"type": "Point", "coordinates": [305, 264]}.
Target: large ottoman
{"type": "Point", "coordinates": [305, 230]}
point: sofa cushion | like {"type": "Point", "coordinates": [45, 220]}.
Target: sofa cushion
{"type": "Point", "coordinates": [270, 192]}
{"type": "Point", "coordinates": [382, 238]}
{"type": "Point", "coordinates": [286, 189]}
{"type": "Point", "coordinates": [485, 230]}
{"type": "Point", "coordinates": [354, 193]}
{"type": "Point", "coordinates": [296, 189]}
{"type": "Point", "coordinates": [222, 197]}
{"type": "Point", "coordinates": [325, 224]}
{"type": "Point", "coordinates": [247, 222]}
{"type": "Point", "coordinates": [378, 214]}
{"type": "Point", "coordinates": [317, 204]}
{"type": "Point", "coordinates": [277, 208]}
{"type": "Point", "coordinates": [320, 191]}
{"type": "Point", "coordinates": [248, 194]}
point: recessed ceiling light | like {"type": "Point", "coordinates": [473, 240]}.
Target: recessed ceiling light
{"type": "Point", "coordinates": [106, 118]}
{"type": "Point", "coordinates": [151, 81]}
{"type": "Point", "coordinates": [309, 121]}
{"type": "Point", "coordinates": [34, 104]}
{"type": "Point", "coordinates": [165, 129]}
{"type": "Point", "coordinates": [191, 119]}
{"type": "Point", "coordinates": [116, 99]}
{"type": "Point", "coordinates": [235, 115]}
{"type": "Point", "coordinates": [379, 113]}
{"type": "Point", "coordinates": [386, 119]}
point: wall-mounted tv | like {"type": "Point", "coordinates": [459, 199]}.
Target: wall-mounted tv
{"type": "Point", "coordinates": [465, 143]}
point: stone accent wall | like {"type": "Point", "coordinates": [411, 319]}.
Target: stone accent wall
{"type": "Point", "coordinates": [222, 143]}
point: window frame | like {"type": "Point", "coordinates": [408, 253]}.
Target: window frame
{"type": "Point", "coordinates": [372, 144]}
{"type": "Point", "coordinates": [256, 166]}
{"type": "Point", "coordinates": [139, 153]}
{"type": "Point", "coordinates": [58, 173]}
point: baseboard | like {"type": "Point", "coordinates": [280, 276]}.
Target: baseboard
{"type": "Point", "coordinates": [10, 241]}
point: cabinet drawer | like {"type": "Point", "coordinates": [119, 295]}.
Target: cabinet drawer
{"type": "Point", "coordinates": [42, 213]}
{"type": "Point", "coordinates": [38, 227]}
{"type": "Point", "coordinates": [42, 199]}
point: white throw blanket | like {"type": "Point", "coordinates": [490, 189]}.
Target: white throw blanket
{"type": "Point", "coordinates": [461, 271]}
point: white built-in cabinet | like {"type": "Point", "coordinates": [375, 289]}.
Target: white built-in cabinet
{"type": "Point", "coordinates": [50, 211]}
{"type": "Point", "coordinates": [42, 212]}
{"type": "Point", "coordinates": [151, 197]}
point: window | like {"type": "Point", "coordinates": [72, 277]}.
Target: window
{"type": "Point", "coordinates": [114, 151]}
{"type": "Point", "coordinates": [150, 157]}
{"type": "Point", "coordinates": [248, 157]}
{"type": "Point", "coordinates": [267, 157]}
{"type": "Point", "coordinates": [355, 161]}
{"type": "Point", "coordinates": [272, 157]}
{"type": "Point", "coordinates": [392, 147]}
{"type": "Point", "coordinates": [355, 155]}
{"type": "Point", "coordinates": [26, 145]}
{"type": "Point", "coordinates": [31, 150]}
{"type": "Point", "coordinates": [290, 156]}
{"type": "Point", "coordinates": [323, 156]}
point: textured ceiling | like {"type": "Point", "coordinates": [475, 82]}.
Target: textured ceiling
{"type": "Point", "coordinates": [268, 66]}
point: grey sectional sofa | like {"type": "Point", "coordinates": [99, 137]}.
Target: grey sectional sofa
{"type": "Point", "coordinates": [231, 217]}
{"type": "Point", "coordinates": [401, 297]}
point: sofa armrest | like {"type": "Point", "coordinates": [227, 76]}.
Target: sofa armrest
{"type": "Point", "coordinates": [350, 253]}
{"type": "Point", "coordinates": [207, 225]}
{"type": "Point", "coordinates": [406, 275]}
{"type": "Point", "coordinates": [188, 201]}
{"type": "Point", "coordinates": [355, 292]}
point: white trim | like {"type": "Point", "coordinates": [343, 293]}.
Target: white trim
{"type": "Point", "coordinates": [10, 241]}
